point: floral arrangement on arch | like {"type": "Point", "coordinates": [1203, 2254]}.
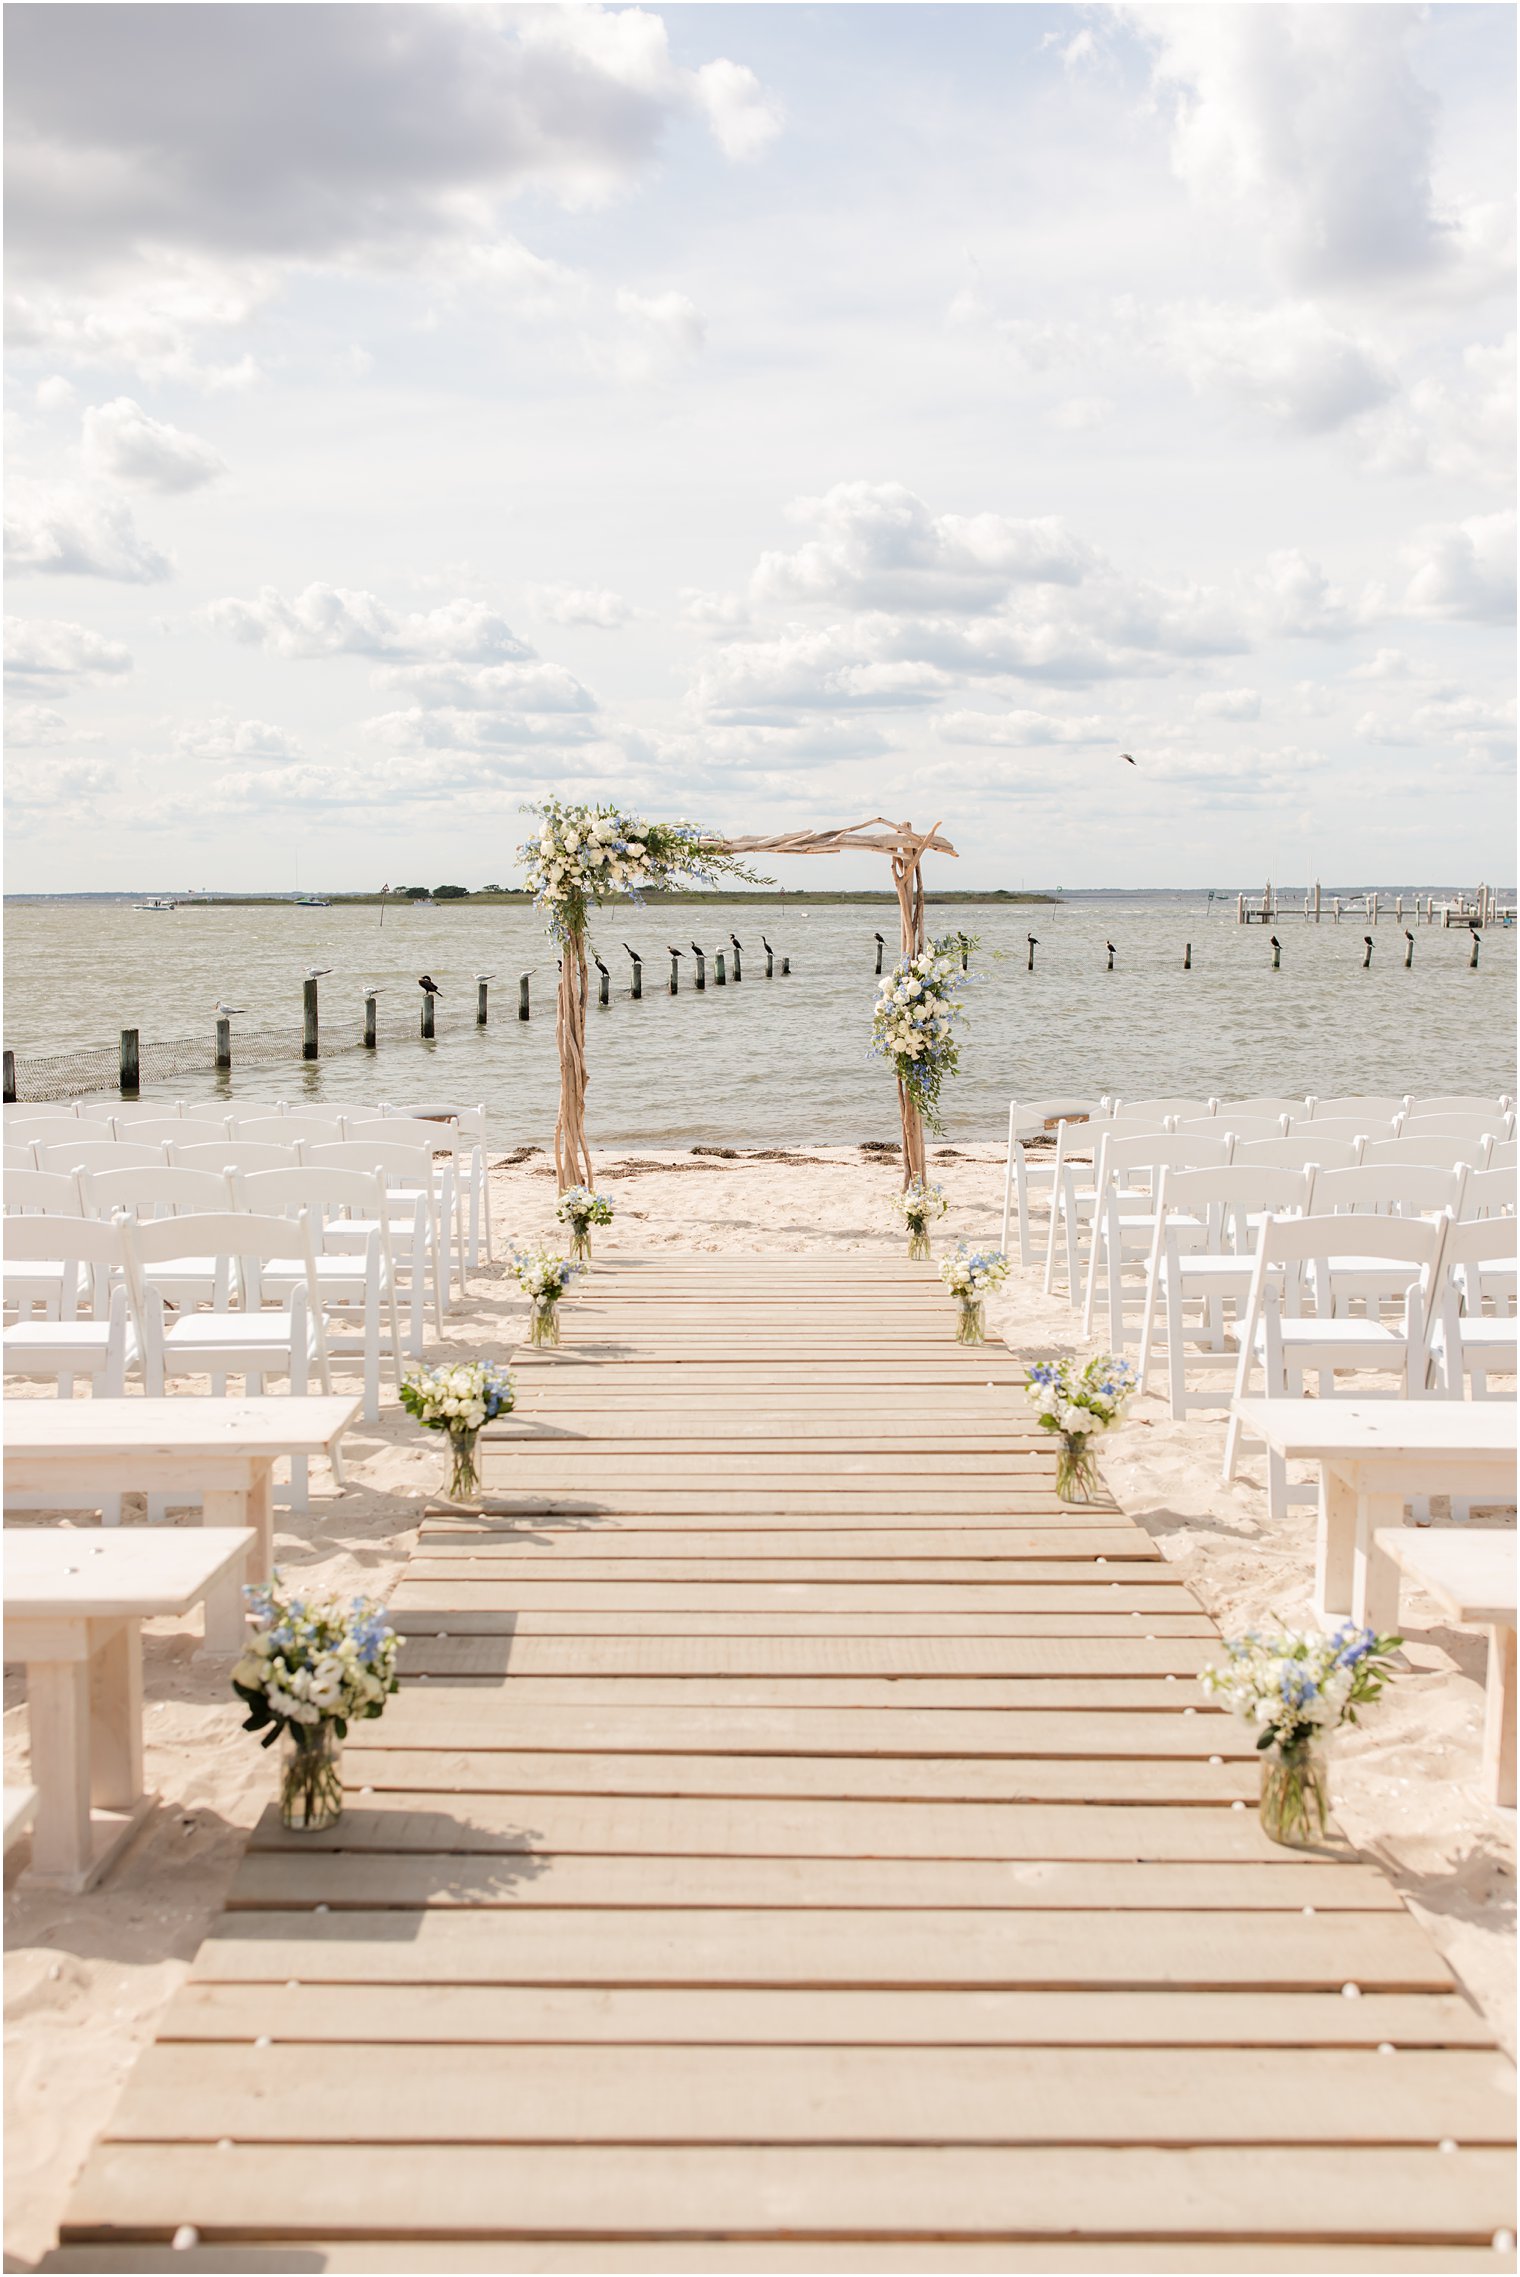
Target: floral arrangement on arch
{"type": "Point", "coordinates": [914, 1021]}
{"type": "Point", "coordinates": [585, 855]}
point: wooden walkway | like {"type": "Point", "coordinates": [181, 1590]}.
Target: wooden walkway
{"type": "Point", "coordinates": [800, 1844]}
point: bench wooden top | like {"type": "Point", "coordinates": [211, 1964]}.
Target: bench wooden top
{"type": "Point", "coordinates": [98, 1573]}
{"type": "Point", "coordinates": [259, 1427]}
{"type": "Point", "coordinates": [1306, 1429]}
{"type": "Point", "coordinates": [1472, 1575]}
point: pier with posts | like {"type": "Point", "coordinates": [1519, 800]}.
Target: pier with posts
{"type": "Point", "coordinates": [1482, 907]}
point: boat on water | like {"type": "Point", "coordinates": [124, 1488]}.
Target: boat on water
{"type": "Point", "coordinates": [312, 901]}
{"type": "Point", "coordinates": [154, 903]}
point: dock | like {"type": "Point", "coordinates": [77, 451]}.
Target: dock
{"type": "Point", "coordinates": [799, 1843]}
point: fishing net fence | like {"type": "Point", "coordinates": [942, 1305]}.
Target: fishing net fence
{"type": "Point", "coordinates": [42, 1076]}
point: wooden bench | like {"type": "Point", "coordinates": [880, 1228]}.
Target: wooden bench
{"type": "Point", "coordinates": [75, 1601]}
{"type": "Point", "coordinates": [1471, 1576]}
{"type": "Point", "coordinates": [222, 1450]}
{"type": "Point", "coordinates": [1373, 1456]}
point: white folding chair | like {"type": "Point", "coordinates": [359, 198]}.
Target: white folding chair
{"type": "Point", "coordinates": [1073, 1192]}
{"type": "Point", "coordinates": [1294, 1109]}
{"type": "Point", "coordinates": [54, 1129]}
{"type": "Point", "coordinates": [101, 1343]}
{"type": "Point", "coordinates": [126, 1112]}
{"type": "Point", "coordinates": [1488, 1194]}
{"type": "Point", "coordinates": [109, 1154]}
{"type": "Point", "coordinates": [1283, 1341]}
{"type": "Point", "coordinates": [441, 1142]}
{"type": "Point", "coordinates": [1370, 1129]}
{"type": "Point", "coordinates": [356, 1279]}
{"type": "Point", "coordinates": [29, 1110]}
{"type": "Point", "coordinates": [472, 1131]}
{"type": "Point", "coordinates": [1203, 1256]}
{"type": "Point", "coordinates": [1172, 1109]}
{"type": "Point", "coordinates": [410, 1214]}
{"type": "Point", "coordinates": [37, 1287]}
{"type": "Point", "coordinates": [1028, 1119]}
{"type": "Point", "coordinates": [20, 1157]}
{"type": "Point", "coordinates": [1502, 1155]}
{"type": "Point", "coordinates": [164, 1130]}
{"type": "Point", "coordinates": [234, 1154]}
{"type": "Point", "coordinates": [188, 1278]}
{"type": "Point", "coordinates": [1430, 1153]}
{"type": "Point", "coordinates": [1361, 1107]}
{"type": "Point", "coordinates": [1124, 1215]}
{"type": "Point", "coordinates": [248, 1339]}
{"type": "Point", "coordinates": [287, 1130]}
{"type": "Point", "coordinates": [1490, 1126]}
{"type": "Point", "coordinates": [1240, 1127]}
{"type": "Point", "coordinates": [1473, 1325]}
{"type": "Point", "coordinates": [218, 1112]}
{"type": "Point", "coordinates": [1457, 1103]}
{"type": "Point", "coordinates": [1301, 1153]}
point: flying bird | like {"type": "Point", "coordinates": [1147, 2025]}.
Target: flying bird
{"type": "Point", "coordinates": [1125, 755]}
{"type": "Point", "coordinates": [429, 986]}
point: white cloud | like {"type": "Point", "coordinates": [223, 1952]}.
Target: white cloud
{"type": "Point", "coordinates": [1229, 703]}
{"type": "Point", "coordinates": [1308, 121]}
{"type": "Point", "coordinates": [490, 687]}
{"type": "Point", "coordinates": [582, 605]}
{"type": "Point", "coordinates": [1022, 730]}
{"type": "Point", "coordinates": [1387, 664]}
{"type": "Point", "coordinates": [34, 727]}
{"type": "Point", "coordinates": [830, 670]}
{"type": "Point", "coordinates": [223, 741]}
{"type": "Point", "coordinates": [1461, 423]}
{"type": "Point", "coordinates": [452, 727]}
{"type": "Point", "coordinates": [1082, 414]}
{"type": "Point", "coordinates": [49, 656]}
{"type": "Point", "coordinates": [52, 787]}
{"type": "Point", "coordinates": [878, 546]}
{"type": "Point", "coordinates": [656, 334]}
{"type": "Point", "coordinates": [743, 119]}
{"type": "Point", "coordinates": [1289, 362]}
{"type": "Point", "coordinates": [54, 393]}
{"type": "Point", "coordinates": [74, 533]}
{"type": "Point", "coordinates": [713, 612]}
{"type": "Point", "coordinates": [1466, 571]}
{"type": "Point", "coordinates": [331, 620]}
{"type": "Point", "coordinates": [122, 443]}
{"type": "Point", "coordinates": [1295, 598]}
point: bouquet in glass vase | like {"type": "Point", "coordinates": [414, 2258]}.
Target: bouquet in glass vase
{"type": "Point", "coordinates": [580, 1210]}
{"type": "Point", "coordinates": [1295, 1689]}
{"type": "Point", "coordinates": [918, 1207]}
{"type": "Point", "coordinates": [543, 1280]}
{"type": "Point", "coordinates": [310, 1668]}
{"type": "Point", "coordinates": [459, 1400]}
{"type": "Point", "coordinates": [969, 1274]}
{"type": "Point", "coordinates": [1079, 1405]}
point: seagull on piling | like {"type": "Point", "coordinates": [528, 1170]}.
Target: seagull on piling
{"type": "Point", "coordinates": [374, 988]}
{"type": "Point", "coordinates": [485, 976]}
{"type": "Point", "coordinates": [318, 972]}
{"type": "Point", "coordinates": [229, 1011]}
{"type": "Point", "coordinates": [429, 986]}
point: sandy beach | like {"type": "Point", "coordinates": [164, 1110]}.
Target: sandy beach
{"type": "Point", "coordinates": [88, 1978]}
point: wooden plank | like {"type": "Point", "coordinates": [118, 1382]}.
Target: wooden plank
{"type": "Point", "coordinates": [1128, 1654]}
{"type": "Point", "coordinates": [458, 1662]}
{"type": "Point", "coordinates": [1299, 2191]}
{"type": "Point", "coordinates": [544, 1564]}
{"type": "Point", "coordinates": [905, 1623]}
{"type": "Point", "coordinates": [764, 1503]}
{"type": "Point", "coordinates": [1198, 1951]}
{"type": "Point", "coordinates": [537, 1459]}
{"type": "Point", "coordinates": [486, 1716]}
{"type": "Point", "coordinates": [367, 1880]}
{"type": "Point", "coordinates": [751, 1597]}
{"type": "Point", "coordinates": [670, 2095]}
{"type": "Point", "coordinates": [884, 2258]}
{"type": "Point", "coordinates": [481, 1768]}
{"type": "Point", "coordinates": [683, 1826]}
{"type": "Point", "coordinates": [496, 2015]}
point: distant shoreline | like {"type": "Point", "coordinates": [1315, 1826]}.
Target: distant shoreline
{"type": "Point", "coordinates": [992, 896]}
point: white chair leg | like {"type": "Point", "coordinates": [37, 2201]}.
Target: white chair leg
{"type": "Point", "coordinates": [371, 1350]}
{"type": "Point", "coordinates": [1277, 1488]}
{"type": "Point", "coordinates": [1176, 1356]}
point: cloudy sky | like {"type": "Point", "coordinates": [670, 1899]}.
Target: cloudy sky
{"type": "Point", "coordinates": [769, 414]}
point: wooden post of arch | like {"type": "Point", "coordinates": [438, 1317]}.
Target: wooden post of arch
{"type": "Point", "coordinates": [572, 1155]}
{"type": "Point", "coordinates": [907, 848]}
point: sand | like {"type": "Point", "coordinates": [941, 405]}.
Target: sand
{"type": "Point", "coordinates": [87, 1979]}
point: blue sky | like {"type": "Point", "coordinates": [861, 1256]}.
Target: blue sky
{"type": "Point", "coordinates": [774, 415]}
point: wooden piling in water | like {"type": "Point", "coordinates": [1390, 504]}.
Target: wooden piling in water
{"type": "Point", "coordinates": [524, 1007]}
{"type": "Point", "coordinates": [720, 977]}
{"type": "Point", "coordinates": [223, 1043]}
{"type": "Point", "coordinates": [675, 972]}
{"type": "Point", "coordinates": [637, 989]}
{"type": "Point", "coordinates": [10, 1079]}
{"type": "Point", "coordinates": [482, 1004]}
{"type": "Point", "coordinates": [1110, 948]}
{"type": "Point", "coordinates": [701, 957]}
{"type": "Point", "coordinates": [880, 947]}
{"type": "Point", "coordinates": [603, 983]}
{"type": "Point", "coordinates": [738, 947]}
{"type": "Point", "coordinates": [1276, 954]}
{"type": "Point", "coordinates": [130, 1063]}
{"type": "Point", "coordinates": [1033, 940]}
{"type": "Point", "coordinates": [1477, 942]}
{"type": "Point", "coordinates": [1187, 956]}
{"type": "Point", "coordinates": [427, 1016]}
{"type": "Point", "coordinates": [369, 1023]}
{"type": "Point", "coordinates": [1367, 943]}
{"type": "Point", "coordinates": [770, 959]}
{"type": "Point", "coordinates": [1409, 952]}
{"type": "Point", "coordinates": [786, 966]}
{"type": "Point", "coordinates": [310, 1048]}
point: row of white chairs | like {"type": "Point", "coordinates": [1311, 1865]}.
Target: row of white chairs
{"type": "Point", "coordinates": [459, 1132]}
{"type": "Point", "coordinates": [100, 1305]}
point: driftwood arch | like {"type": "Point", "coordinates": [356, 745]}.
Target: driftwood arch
{"type": "Point", "coordinates": [906, 848]}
